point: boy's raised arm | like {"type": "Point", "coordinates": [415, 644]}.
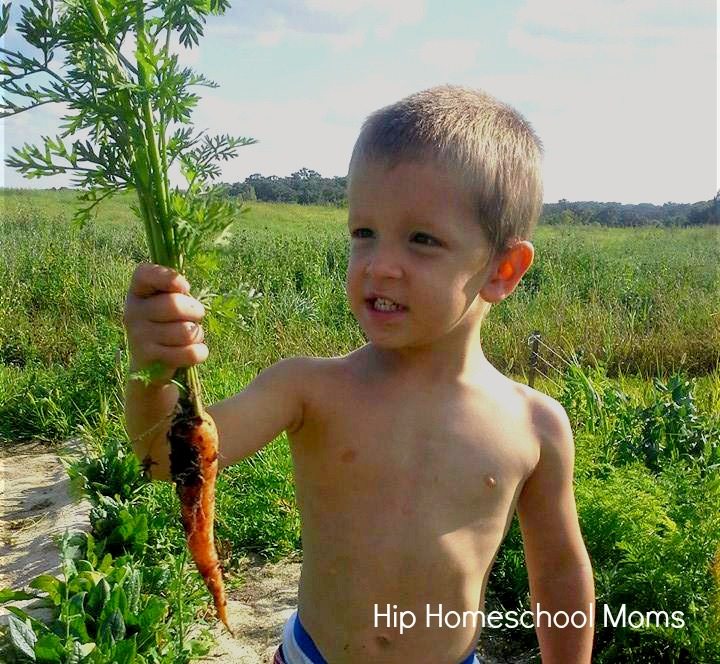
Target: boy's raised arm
{"type": "Point", "coordinates": [162, 322]}
{"type": "Point", "coordinates": [559, 568]}
{"type": "Point", "coordinates": [270, 404]}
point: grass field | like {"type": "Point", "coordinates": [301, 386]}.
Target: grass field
{"type": "Point", "coordinates": [635, 307]}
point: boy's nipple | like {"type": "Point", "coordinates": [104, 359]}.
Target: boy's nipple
{"type": "Point", "coordinates": [490, 481]}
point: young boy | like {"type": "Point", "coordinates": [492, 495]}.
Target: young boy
{"type": "Point", "coordinates": [412, 453]}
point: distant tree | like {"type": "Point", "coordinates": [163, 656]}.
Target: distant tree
{"type": "Point", "coordinates": [307, 185]}
{"type": "Point", "coordinates": [703, 213]}
{"type": "Point", "coordinates": [244, 190]}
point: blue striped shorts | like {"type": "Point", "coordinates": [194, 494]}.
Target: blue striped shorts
{"type": "Point", "coordinates": [298, 648]}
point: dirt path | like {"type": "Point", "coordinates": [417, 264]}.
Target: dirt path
{"type": "Point", "coordinates": [36, 506]}
{"type": "Point", "coordinates": [258, 607]}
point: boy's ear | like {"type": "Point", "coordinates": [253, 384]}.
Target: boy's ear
{"type": "Point", "coordinates": [507, 270]}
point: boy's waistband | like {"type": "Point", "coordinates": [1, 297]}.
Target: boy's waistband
{"type": "Point", "coordinates": [298, 647]}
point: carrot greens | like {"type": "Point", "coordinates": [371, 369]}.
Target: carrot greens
{"type": "Point", "coordinates": [127, 120]}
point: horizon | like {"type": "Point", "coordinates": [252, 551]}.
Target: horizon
{"type": "Point", "coordinates": [566, 200]}
{"type": "Point", "coordinates": [624, 98]}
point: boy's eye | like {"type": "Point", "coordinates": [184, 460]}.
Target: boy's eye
{"type": "Point", "coordinates": [360, 232]}
{"type": "Point", "coordinates": [426, 239]}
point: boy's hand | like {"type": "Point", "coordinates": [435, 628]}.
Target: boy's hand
{"type": "Point", "coordinates": [163, 321]}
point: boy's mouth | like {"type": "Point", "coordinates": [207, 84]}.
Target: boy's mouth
{"type": "Point", "coordinates": [384, 304]}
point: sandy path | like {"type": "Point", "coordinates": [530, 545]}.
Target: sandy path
{"type": "Point", "coordinates": [258, 609]}
{"type": "Point", "coordinates": [35, 507]}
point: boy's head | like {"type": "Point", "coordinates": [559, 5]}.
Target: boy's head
{"type": "Point", "coordinates": [489, 148]}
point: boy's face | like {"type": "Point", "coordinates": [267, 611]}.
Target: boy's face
{"type": "Point", "coordinates": [415, 240]}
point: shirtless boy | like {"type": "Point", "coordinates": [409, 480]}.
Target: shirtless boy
{"type": "Point", "coordinates": [412, 453]}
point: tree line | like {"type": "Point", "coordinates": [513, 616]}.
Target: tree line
{"type": "Point", "coordinates": [642, 214]}
{"type": "Point", "coordinates": [305, 186]}
{"type": "Point", "coordinates": [308, 187]}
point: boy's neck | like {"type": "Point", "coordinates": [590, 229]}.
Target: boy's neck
{"type": "Point", "coordinates": [435, 364]}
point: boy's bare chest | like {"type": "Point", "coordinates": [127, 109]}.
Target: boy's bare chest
{"type": "Point", "coordinates": [405, 453]}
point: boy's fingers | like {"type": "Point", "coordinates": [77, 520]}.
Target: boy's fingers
{"type": "Point", "coordinates": [184, 333]}
{"type": "Point", "coordinates": [170, 307]}
{"type": "Point", "coordinates": [149, 279]}
{"type": "Point", "coordinates": [181, 356]}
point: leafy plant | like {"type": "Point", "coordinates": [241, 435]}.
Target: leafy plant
{"type": "Point", "coordinates": [99, 614]}
{"type": "Point", "coordinates": [672, 429]}
{"type": "Point", "coordinates": [668, 429]}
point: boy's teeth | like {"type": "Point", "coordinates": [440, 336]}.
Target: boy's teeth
{"type": "Point", "coordinates": [385, 305]}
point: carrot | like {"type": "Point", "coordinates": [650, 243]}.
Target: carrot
{"type": "Point", "coordinates": [193, 466]}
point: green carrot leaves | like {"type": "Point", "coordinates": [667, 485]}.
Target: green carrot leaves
{"type": "Point", "coordinates": [136, 115]}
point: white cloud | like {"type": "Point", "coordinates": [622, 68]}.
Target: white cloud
{"type": "Point", "coordinates": [291, 135]}
{"type": "Point", "coordinates": [271, 37]}
{"type": "Point", "coordinates": [642, 137]}
{"type": "Point", "coordinates": [399, 14]}
{"type": "Point", "coordinates": [622, 94]}
{"type": "Point", "coordinates": [352, 6]}
{"type": "Point", "coordinates": [549, 47]}
{"type": "Point", "coordinates": [612, 30]}
{"type": "Point", "coordinates": [341, 25]}
{"type": "Point", "coordinates": [317, 131]}
{"type": "Point", "coordinates": [347, 41]}
{"type": "Point", "coordinates": [610, 17]}
{"type": "Point", "coordinates": [454, 55]}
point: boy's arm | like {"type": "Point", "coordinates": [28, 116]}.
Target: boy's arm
{"type": "Point", "coordinates": [270, 404]}
{"type": "Point", "coordinates": [558, 565]}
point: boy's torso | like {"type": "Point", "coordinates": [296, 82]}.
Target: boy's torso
{"type": "Point", "coordinates": [405, 493]}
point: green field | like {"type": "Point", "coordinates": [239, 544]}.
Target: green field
{"type": "Point", "coordinates": [638, 309]}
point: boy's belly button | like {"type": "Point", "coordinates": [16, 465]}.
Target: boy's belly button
{"type": "Point", "coordinates": [348, 456]}
{"type": "Point", "coordinates": [383, 641]}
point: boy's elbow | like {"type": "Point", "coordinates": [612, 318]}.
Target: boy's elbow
{"type": "Point", "coordinates": [154, 459]}
{"type": "Point", "coordinates": [573, 580]}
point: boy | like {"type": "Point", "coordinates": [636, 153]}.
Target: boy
{"type": "Point", "coordinates": [411, 453]}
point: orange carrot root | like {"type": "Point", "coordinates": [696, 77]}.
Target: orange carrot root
{"type": "Point", "coordinates": [194, 466]}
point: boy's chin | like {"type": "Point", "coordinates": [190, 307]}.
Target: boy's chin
{"type": "Point", "coordinates": [382, 341]}
{"type": "Point", "coordinates": [387, 342]}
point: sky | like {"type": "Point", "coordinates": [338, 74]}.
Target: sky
{"type": "Point", "coordinates": [623, 94]}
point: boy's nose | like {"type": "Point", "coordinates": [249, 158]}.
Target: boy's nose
{"type": "Point", "coordinates": [383, 264]}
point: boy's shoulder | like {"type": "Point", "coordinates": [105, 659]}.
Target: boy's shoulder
{"type": "Point", "coordinates": [549, 421]}
{"type": "Point", "coordinates": [546, 417]}
{"type": "Point", "coordinates": [310, 375]}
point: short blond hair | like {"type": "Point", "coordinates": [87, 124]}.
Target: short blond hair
{"type": "Point", "coordinates": [487, 144]}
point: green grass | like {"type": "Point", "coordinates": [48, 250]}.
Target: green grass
{"type": "Point", "coordinates": [632, 305]}
{"type": "Point", "coordinates": [643, 302]}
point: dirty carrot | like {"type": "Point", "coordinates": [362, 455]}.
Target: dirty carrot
{"type": "Point", "coordinates": [193, 466]}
